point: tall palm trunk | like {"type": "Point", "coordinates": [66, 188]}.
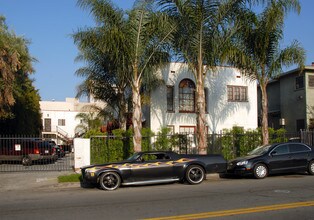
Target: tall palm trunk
{"type": "Point", "coordinates": [265, 134]}
{"type": "Point", "coordinates": [137, 116]}
{"type": "Point", "coordinates": [201, 120]}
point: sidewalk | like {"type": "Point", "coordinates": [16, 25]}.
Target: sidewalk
{"type": "Point", "coordinates": [33, 180]}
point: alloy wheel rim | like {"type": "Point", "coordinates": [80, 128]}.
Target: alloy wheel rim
{"type": "Point", "coordinates": [110, 181]}
{"type": "Point", "coordinates": [261, 171]}
{"type": "Point", "coordinates": [312, 167]}
{"type": "Point", "coordinates": [196, 175]}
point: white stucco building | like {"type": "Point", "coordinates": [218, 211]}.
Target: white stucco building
{"type": "Point", "coordinates": [231, 100]}
{"type": "Point", "coordinates": [59, 117]}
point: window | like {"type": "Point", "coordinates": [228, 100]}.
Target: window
{"type": "Point", "coordinates": [237, 93]}
{"type": "Point", "coordinates": [187, 96]}
{"type": "Point", "coordinates": [299, 82]}
{"type": "Point", "coordinates": [187, 130]}
{"type": "Point", "coordinates": [153, 157]}
{"type": "Point", "coordinates": [300, 124]}
{"type": "Point", "coordinates": [61, 122]}
{"type": "Point", "coordinates": [282, 149]}
{"type": "Point", "coordinates": [294, 148]}
{"type": "Point", "coordinates": [311, 81]}
{"type": "Point", "coordinates": [170, 96]}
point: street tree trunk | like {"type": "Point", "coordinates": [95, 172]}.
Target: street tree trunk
{"type": "Point", "coordinates": [200, 106]}
{"type": "Point", "coordinates": [201, 120]}
{"type": "Point", "coordinates": [137, 116]}
{"type": "Point", "coordinates": [265, 133]}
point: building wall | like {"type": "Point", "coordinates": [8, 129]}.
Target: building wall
{"type": "Point", "coordinates": [296, 104]}
{"type": "Point", "coordinates": [292, 101]}
{"type": "Point", "coordinates": [67, 110]}
{"type": "Point", "coordinates": [309, 97]}
{"type": "Point", "coordinates": [221, 113]}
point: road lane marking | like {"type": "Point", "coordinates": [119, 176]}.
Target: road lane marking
{"type": "Point", "coordinates": [237, 211]}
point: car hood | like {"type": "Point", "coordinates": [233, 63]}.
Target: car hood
{"type": "Point", "coordinates": [248, 157]}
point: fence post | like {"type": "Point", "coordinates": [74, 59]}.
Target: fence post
{"type": "Point", "coordinates": [81, 153]}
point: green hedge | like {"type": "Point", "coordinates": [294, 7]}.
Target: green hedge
{"type": "Point", "coordinates": [237, 142]}
{"type": "Point", "coordinates": [231, 143]}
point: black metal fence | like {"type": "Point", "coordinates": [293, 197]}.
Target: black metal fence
{"type": "Point", "coordinates": [34, 154]}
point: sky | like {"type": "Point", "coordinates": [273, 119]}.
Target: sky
{"type": "Point", "coordinates": [48, 25]}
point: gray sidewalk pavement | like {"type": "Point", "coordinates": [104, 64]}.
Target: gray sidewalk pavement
{"type": "Point", "coordinates": [33, 180]}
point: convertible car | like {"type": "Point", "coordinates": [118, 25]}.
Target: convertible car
{"type": "Point", "coordinates": [274, 158]}
{"type": "Point", "coordinates": [154, 167]}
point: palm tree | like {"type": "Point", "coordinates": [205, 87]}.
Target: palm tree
{"type": "Point", "coordinates": [136, 43]}
{"type": "Point", "coordinates": [101, 48]}
{"type": "Point", "coordinates": [260, 55]}
{"type": "Point", "coordinates": [205, 27]}
{"type": "Point", "coordinates": [88, 121]}
{"type": "Point", "coordinates": [14, 59]}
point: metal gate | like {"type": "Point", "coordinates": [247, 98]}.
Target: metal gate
{"type": "Point", "coordinates": [34, 154]}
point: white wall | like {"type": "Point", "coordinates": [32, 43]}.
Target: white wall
{"type": "Point", "coordinates": [221, 113]}
{"type": "Point", "coordinates": [81, 153]}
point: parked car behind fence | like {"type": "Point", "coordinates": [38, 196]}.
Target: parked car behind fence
{"type": "Point", "coordinates": [27, 151]}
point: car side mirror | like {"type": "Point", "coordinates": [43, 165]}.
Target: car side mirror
{"type": "Point", "coordinates": [273, 153]}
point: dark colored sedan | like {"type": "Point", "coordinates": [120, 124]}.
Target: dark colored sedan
{"type": "Point", "coordinates": [154, 167]}
{"type": "Point", "coordinates": [274, 159]}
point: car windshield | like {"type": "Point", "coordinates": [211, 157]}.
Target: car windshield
{"type": "Point", "coordinates": [260, 150]}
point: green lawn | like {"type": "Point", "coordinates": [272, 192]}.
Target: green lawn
{"type": "Point", "coordinates": [71, 178]}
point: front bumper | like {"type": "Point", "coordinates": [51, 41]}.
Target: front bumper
{"type": "Point", "coordinates": [240, 170]}
{"type": "Point", "coordinates": [90, 177]}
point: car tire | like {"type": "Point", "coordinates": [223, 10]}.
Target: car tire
{"type": "Point", "coordinates": [26, 161]}
{"type": "Point", "coordinates": [311, 167]}
{"type": "Point", "coordinates": [194, 174]}
{"type": "Point", "coordinates": [109, 181]}
{"type": "Point", "coordinates": [260, 171]}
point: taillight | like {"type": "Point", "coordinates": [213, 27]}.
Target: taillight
{"type": "Point", "coordinates": [36, 151]}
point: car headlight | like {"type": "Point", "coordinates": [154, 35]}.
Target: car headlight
{"type": "Point", "coordinates": [91, 170]}
{"type": "Point", "coordinates": [241, 163]}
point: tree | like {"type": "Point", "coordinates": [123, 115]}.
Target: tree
{"type": "Point", "coordinates": [89, 121]}
{"type": "Point", "coordinates": [204, 29]}
{"type": "Point", "coordinates": [260, 55]}
{"type": "Point", "coordinates": [101, 48]}
{"type": "Point", "coordinates": [26, 118]}
{"type": "Point", "coordinates": [19, 100]}
{"type": "Point", "coordinates": [137, 41]}
{"type": "Point", "coordinates": [14, 59]}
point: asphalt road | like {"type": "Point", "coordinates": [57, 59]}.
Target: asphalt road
{"type": "Point", "coordinates": [277, 197]}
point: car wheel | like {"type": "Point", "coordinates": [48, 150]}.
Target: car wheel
{"type": "Point", "coordinates": [109, 181]}
{"type": "Point", "coordinates": [311, 167]}
{"type": "Point", "coordinates": [195, 174]}
{"type": "Point", "coordinates": [26, 161]}
{"type": "Point", "coordinates": [260, 171]}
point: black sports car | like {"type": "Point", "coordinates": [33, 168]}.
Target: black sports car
{"type": "Point", "coordinates": [274, 158]}
{"type": "Point", "coordinates": [154, 167]}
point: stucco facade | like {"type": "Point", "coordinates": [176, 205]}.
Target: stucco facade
{"type": "Point", "coordinates": [221, 112]}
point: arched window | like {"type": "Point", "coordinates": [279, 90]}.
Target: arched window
{"type": "Point", "coordinates": [187, 96]}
